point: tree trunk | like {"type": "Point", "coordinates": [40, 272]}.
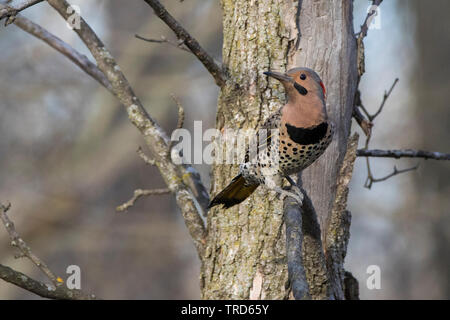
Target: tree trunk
{"type": "Point", "coordinates": [245, 254]}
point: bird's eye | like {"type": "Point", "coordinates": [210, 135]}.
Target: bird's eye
{"type": "Point", "coordinates": [302, 76]}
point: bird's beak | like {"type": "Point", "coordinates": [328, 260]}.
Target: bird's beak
{"type": "Point", "coordinates": [279, 76]}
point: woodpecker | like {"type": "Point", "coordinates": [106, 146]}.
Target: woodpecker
{"type": "Point", "coordinates": [303, 133]}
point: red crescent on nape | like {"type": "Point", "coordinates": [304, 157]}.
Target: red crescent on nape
{"type": "Point", "coordinates": [323, 88]}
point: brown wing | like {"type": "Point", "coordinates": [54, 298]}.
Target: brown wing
{"type": "Point", "coordinates": [263, 138]}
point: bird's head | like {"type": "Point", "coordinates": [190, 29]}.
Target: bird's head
{"type": "Point", "coordinates": [300, 83]}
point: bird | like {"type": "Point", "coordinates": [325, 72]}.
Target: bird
{"type": "Point", "coordinates": [300, 132]}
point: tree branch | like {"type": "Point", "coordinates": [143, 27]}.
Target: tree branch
{"type": "Point", "coordinates": [144, 157]}
{"type": "Point", "coordinates": [385, 97]}
{"type": "Point", "coordinates": [365, 124]}
{"type": "Point", "coordinates": [17, 241]}
{"type": "Point", "coordinates": [294, 243]}
{"type": "Point", "coordinates": [371, 180]}
{"type": "Point", "coordinates": [180, 45]}
{"type": "Point", "coordinates": [55, 291]}
{"type": "Point", "coordinates": [140, 193]}
{"type": "Point", "coordinates": [11, 10]}
{"type": "Point", "coordinates": [214, 69]}
{"type": "Point", "coordinates": [155, 138]}
{"type": "Point", "coordinates": [368, 20]}
{"type": "Point", "coordinates": [43, 290]}
{"type": "Point", "coordinates": [180, 122]}
{"type": "Point", "coordinates": [408, 153]}
{"type": "Point", "coordinates": [304, 250]}
{"type": "Point", "coordinates": [56, 43]}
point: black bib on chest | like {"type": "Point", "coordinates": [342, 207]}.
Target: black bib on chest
{"type": "Point", "coordinates": [310, 135]}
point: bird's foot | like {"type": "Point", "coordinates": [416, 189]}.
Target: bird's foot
{"type": "Point", "coordinates": [294, 193]}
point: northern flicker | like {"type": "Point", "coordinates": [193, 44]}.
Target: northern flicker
{"type": "Point", "coordinates": [304, 132]}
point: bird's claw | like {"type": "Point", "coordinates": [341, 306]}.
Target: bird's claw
{"type": "Point", "coordinates": [294, 193]}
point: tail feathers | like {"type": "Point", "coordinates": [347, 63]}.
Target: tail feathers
{"type": "Point", "coordinates": [236, 192]}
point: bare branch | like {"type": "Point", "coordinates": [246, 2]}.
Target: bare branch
{"type": "Point", "coordinates": [370, 15]}
{"type": "Point", "coordinates": [140, 193]}
{"type": "Point", "coordinates": [55, 291]}
{"type": "Point", "coordinates": [360, 51]}
{"type": "Point", "coordinates": [155, 138]}
{"type": "Point", "coordinates": [43, 290]}
{"type": "Point", "coordinates": [17, 241]}
{"type": "Point", "coordinates": [371, 180]}
{"type": "Point", "coordinates": [144, 157]}
{"type": "Point", "coordinates": [56, 43]}
{"type": "Point", "coordinates": [11, 10]}
{"type": "Point", "coordinates": [180, 122]}
{"type": "Point", "coordinates": [385, 97]}
{"type": "Point", "coordinates": [358, 103]}
{"type": "Point", "coordinates": [294, 243]}
{"type": "Point", "coordinates": [408, 153]}
{"type": "Point", "coordinates": [214, 69]}
{"type": "Point", "coordinates": [365, 124]}
{"type": "Point", "coordinates": [308, 242]}
{"type": "Point", "coordinates": [179, 45]}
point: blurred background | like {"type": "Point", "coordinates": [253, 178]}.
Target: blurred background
{"type": "Point", "coordinates": [68, 152]}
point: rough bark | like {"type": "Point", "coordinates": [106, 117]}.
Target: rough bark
{"type": "Point", "coordinates": [327, 45]}
{"type": "Point", "coordinates": [245, 255]}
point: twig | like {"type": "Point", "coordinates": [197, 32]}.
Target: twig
{"type": "Point", "coordinates": [140, 193]}
{"type": "Point", "coordinates": [371, 180]}
{"type": "Point", "coordinates": [43, 290]}
{"type": "Point", "coordinates": [408, 153]}
{"type": "Point", "coordinates": [214, 69]}
{"type": "Point", "coordinates": [191, 177]}
{"type": "Point", "coordinates": [180, 121]}
{"type": "Point", "coordinates": [368, 20]}
{"type": "Point", "coordinates": [360, 38]}
{"type": "Point", "coordinates": [55, 291]}
{"type": "Point", "coordinates": [360, 64]}
{"type": "Point", "coordinates": [365, 124]}
{"type": "Point", "coordinates": [56, 43]}
{"type": "Point", "coordinates": [17, 241]}
{"type": "Point", "coordinates": [10, 11]}
{"type": "Point", "coordinates": [385, 97]}
{"type": "Point", "coordinates": [144, 157]}
{"type": "Point", "coordinates": [179, 45]}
